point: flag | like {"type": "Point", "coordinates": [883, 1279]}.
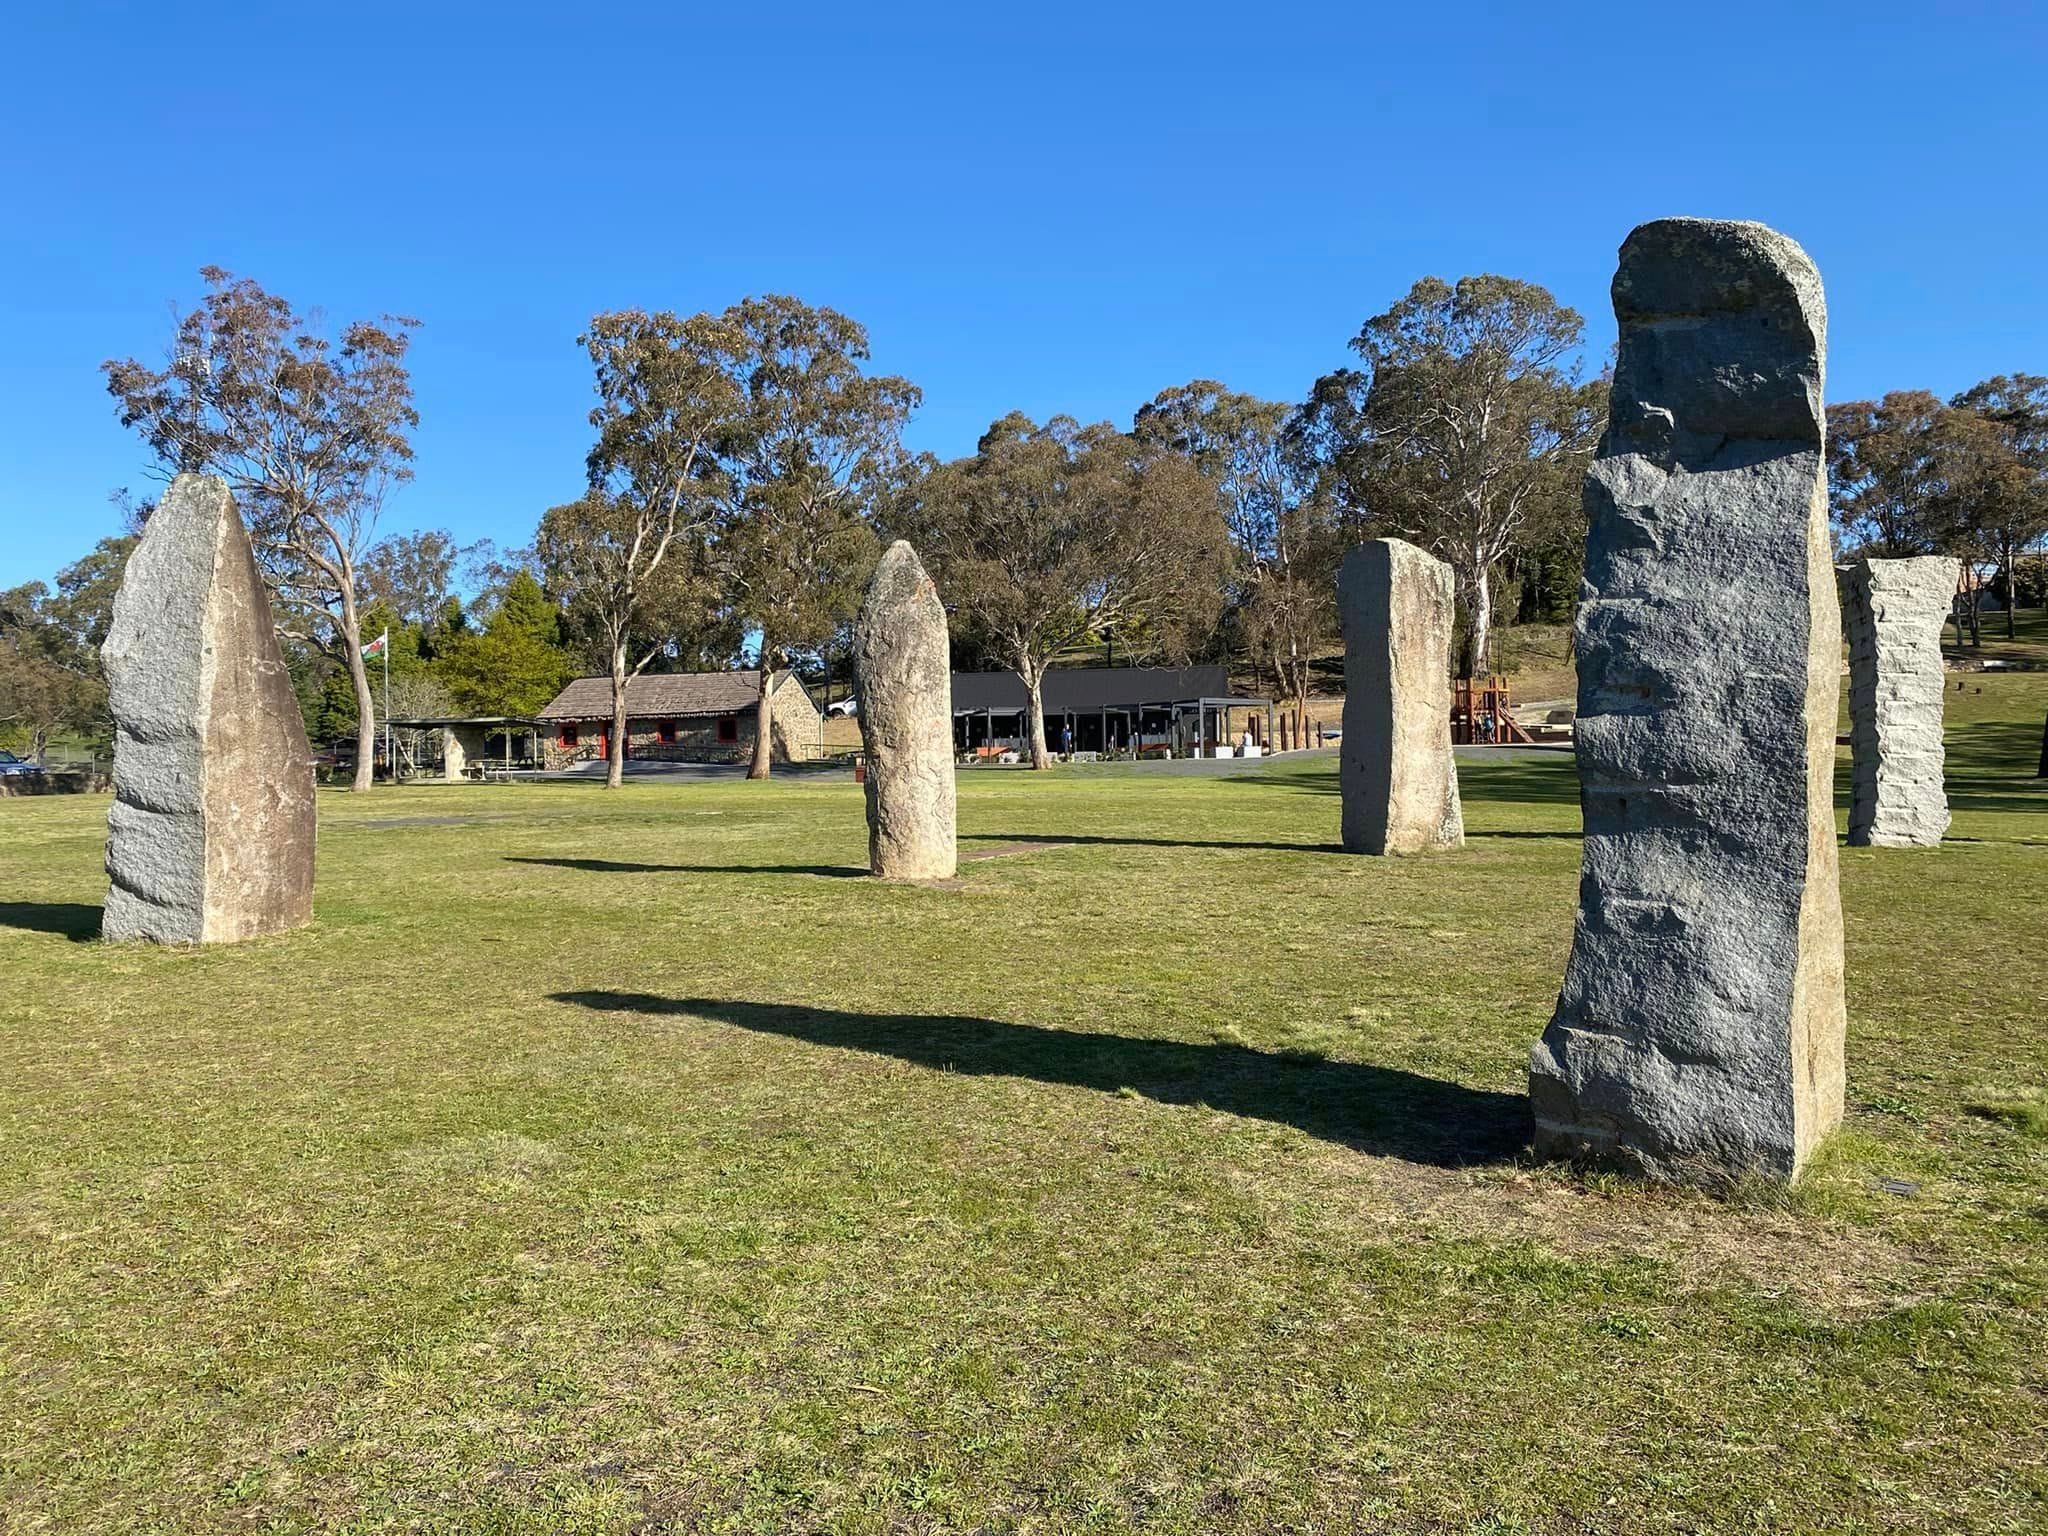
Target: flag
{"type": "Point", "coordinates": [378, 646]}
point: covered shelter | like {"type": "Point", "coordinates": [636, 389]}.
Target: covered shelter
{"type": "Point", "coordinates": [1110, 712]}
{"type": "Point", "coordinates": [469, 746]}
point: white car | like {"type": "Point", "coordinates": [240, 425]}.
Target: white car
{"type": "Point", "coordinates": [843, 707]}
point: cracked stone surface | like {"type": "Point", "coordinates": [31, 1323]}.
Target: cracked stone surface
{"type": "Point", "coordinates": [210, 837]}
{"type": "Point", "coordinates": [1698, 1034]}
{"type": "Point", "coordinates": [1892, 613]}
{"type": "Point", "coordinates": [1398, 779]}
{"type": "Point", "coordinates": [903, 676]}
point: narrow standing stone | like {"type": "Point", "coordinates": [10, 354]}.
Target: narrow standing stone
{"type": "Point", "coordinates": [1399, 780]}
{"type": "Point", "coordinates": [210, 837]}
{"type": "Point", "coordinates": [1698, 1034]}
{"type": "Point", "coordinates": [1893, 611]}
{"type": "Point", "coordinates": [904, 680]}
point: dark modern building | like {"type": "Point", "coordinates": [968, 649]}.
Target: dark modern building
{"type": "Point", "coordinates": [1124, 710]}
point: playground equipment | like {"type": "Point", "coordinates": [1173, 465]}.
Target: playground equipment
{"type": "Point", "coordinates": [1481, 714]}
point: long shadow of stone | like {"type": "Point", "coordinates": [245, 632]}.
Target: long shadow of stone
{"type": "Point", "coordinates": [1089, 839]}
{"type": "Point", "coordinates": [1321, 782]}
{"type": "Point", "coordinates": [1379, 1110]}
{"type": "Point", "coordinates": [73, 919]}
{"type": "Point", "coordinates": [628, 867]}
{"type": "Point", "coordinates": [1551, 779]}
{"type": "Point", "coordinates": [1548, 782]}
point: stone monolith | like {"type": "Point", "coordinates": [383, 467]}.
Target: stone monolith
{"type": "Point", "coordinates": [211, 833]}
{"type": "Point", "coordinates": [903, 677]}
{"type": "Point", "coordinates": [1698, 1034]}
{"type": "Point", "coordinates": [1396, 772]}
{"type": "Point", "coordinates": [1892, 612]}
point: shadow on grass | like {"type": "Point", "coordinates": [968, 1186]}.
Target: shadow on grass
{"type": "Point", "coordinates": [1551, 780]}
{"type": "Point", "coordinates": [73, 919]}
{"type": "Point", "coordinates": [1081, 839]}
{"type": "Point", "coordinates": [627, 867]}
{"type": "Point", "coordinates": [1323, 781]}
{"type": "Point", "coordinates": [1379, 1110]}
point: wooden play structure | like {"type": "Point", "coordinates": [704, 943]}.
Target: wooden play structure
{"type": "Point", "coordinates": [1482, 714]}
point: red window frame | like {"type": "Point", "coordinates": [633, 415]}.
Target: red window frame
{"type": "Point", "coordinates": [568, 739]}
{"type": "Point", "coordinates": [728, 728]}
{"type": "Point", "coordinates": [665, 730]}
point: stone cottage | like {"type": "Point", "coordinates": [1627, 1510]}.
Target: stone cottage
{"type": "Point", "coordinates": [679, 717]}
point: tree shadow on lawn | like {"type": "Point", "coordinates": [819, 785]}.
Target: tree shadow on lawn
{"type": "Point", "coordinates": [1379, 1110]}
{"type": "Point", "coordinates": [1079, 839]}
{"type": "Point", "coordinates": [627, 867]}
{"type": "Point", "coordinates": [73, 919]}
{"type": "Point", "coordinates": [1553, 780]}
{"type": "Point", "coordinates": [1089, 839]}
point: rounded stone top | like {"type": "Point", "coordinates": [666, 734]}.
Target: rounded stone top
{"type": "Point", "coordinates": [1723, 337]}
{"type": "Point", "coordinates": [1715, 267]}
{"type": "Point", "coordinates": [899, 574]}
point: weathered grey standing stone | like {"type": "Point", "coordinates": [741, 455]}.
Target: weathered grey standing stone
{"type": "Point", "coordinates": [211, 834]}
{"type": "Point", "coordinates": [1893, 611]}
{"type": "Point", "coordinates": [903, 676]}
{"type": "Point", "coordinates": [1698, 1034]}
{"type": "Point", "coordinates": [1399, 780]}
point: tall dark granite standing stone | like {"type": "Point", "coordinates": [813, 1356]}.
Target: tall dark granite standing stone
{"type": "Point", "coordinates": [1892, 613]}
{"type": "Point", "coordinates": [1398, 779]}
{"type": "Point", "coordinates": [210, 837]}
{"type": "Point", "coordinates": [1698, 1035]}
{"type": "Point", "coordinates": [903, 676]}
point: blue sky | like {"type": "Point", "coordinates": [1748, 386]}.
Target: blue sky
{"type": "Point", "coordinates": [1046, 208]}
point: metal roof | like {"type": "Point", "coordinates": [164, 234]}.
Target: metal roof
{"type": "Point", "coordinates": [1083, 689]}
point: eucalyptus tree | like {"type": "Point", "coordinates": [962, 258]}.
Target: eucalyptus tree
{"type": "Point", "coordinates": [2012, 510]}
{"type": "Point", "coordinates": [1050, 534]}
{"type": "Point", "coordinates": [1470, 417]}
{"type": "Point", "coordinates": [49, 676]}
{"type": "Point", "coordinates": [1284, 540]}
{"type": "Point", "coordinates": [1909, 475]}
{"type": "Point", "coordinates": [310, 431]}
{"type": "Point", "coordinates": [1884, 474]}
{"type": "Point", "coordinates": [815, 444]}
{"type": "Point", "coordinates": [414, 574]}
{"type": "Point", "coordinates": [626, 558]}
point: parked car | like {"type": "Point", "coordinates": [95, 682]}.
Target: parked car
{"type": "Point", "coordinates": [843, 707]}
{"type": "Point", "coordinates": [12, 766]}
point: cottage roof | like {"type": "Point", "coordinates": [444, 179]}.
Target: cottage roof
{"type": "Point", "coordinates": [661, 695]}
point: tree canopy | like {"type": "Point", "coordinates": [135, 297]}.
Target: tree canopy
{"type": "Point", "coordinates": [1050, 534]}
{"type": "Point", "coordinates": [1468, 424]}
{"type": "Point", "coordinates": [309, 430]}
{"type": "Point", "coordinates": [1285, 543]}
{"type": "Point", "coordinates": [803, 466]}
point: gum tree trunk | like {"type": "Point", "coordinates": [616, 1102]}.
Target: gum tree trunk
{"type": "Point", "coordinates": [366, 702]}
{"type": "Point", "coordinates": [1033, 674]}
{"type": "Point", "coordinates": [1482, 613]}
{"type": "Point", "coordinates": [615, 760]}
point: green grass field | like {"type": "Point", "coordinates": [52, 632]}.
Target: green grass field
{"type": "Point", "coordinates": [627, 1163]}
{"type": "Point", "coordinates": [2028, 646]}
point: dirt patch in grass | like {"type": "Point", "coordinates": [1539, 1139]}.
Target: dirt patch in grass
{"type": "Point", "coordinates": [1003, 851]}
